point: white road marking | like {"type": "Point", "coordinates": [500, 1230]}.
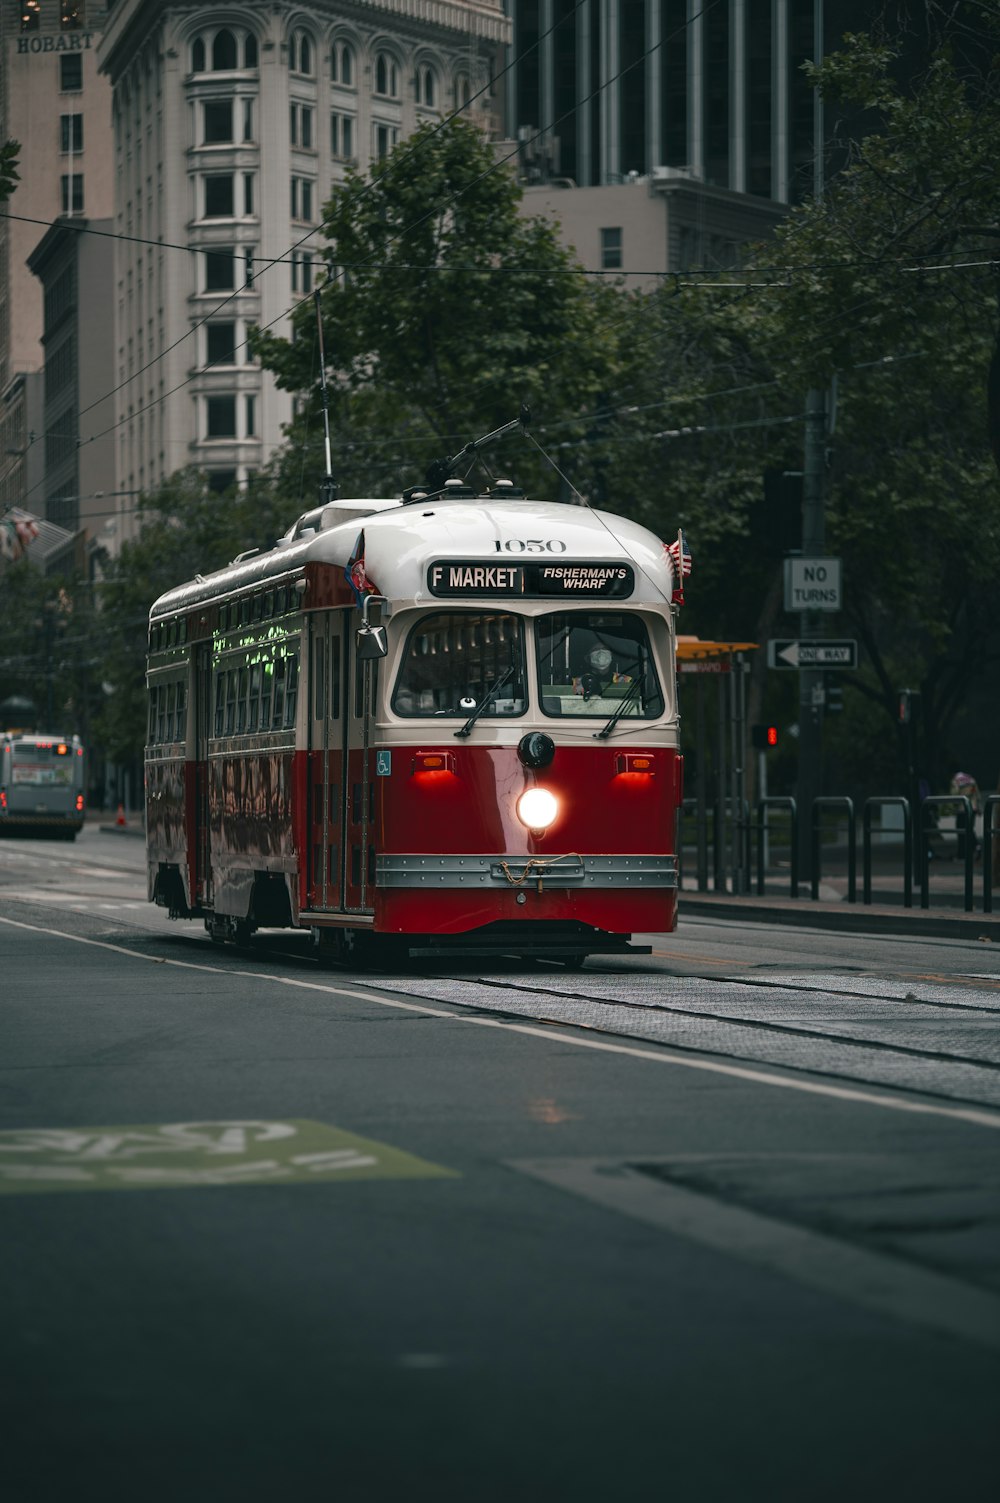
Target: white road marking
{"type": "Point", "coordinates": [976, 1116]}
{"type": "Point", "coordinates": [886, 1285]}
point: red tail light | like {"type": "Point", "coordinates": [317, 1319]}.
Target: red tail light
{"type": "Point", "coordinates": [635, 762]}
{"type": "Point", "coordinates": [434, 762]}
{"type": "Point", "coordinates": [79, 803]}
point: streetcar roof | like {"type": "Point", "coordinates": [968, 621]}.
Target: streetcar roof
{"type": "Point", "coordinates": [401, 539]}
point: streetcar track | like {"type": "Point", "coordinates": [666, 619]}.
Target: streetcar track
{"type": "Point", "coordinates": [754, 1023]}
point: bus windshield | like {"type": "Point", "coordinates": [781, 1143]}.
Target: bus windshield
{"type": "Point", "coordinates": [596, 663]}
{"type": "Point", "coordinates": [451, 661]}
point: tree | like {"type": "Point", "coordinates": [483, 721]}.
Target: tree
{"type": "Point", "coordinates": [186, 530]}
{"type": "Point", "coordinates": [443, 311]}
{"type": "Point", "coordinates": [891, 292]}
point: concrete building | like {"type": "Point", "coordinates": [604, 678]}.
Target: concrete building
{"type": "Point", "coordinates": [231, 126]}
{"type": "Point", "coordinates": [637, 230]}
{"type": "Point", "coordinates": [73, 263]}
{"type": "Point", "coordinates": [607, 88]}
{"type": "Point", "coordinates": [52, 101]}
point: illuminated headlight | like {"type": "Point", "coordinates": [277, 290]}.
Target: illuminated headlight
{"type": "Point", "coordinates": [537, 808]}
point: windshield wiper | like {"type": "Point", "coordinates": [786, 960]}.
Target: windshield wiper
{"type": "Point", "coordinates": [631, 693]}
{"type": "Point", "coordinates": [487, 699]}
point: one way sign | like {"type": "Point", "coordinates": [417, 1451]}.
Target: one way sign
{"type": "Point", "coordinates": [811, 654]}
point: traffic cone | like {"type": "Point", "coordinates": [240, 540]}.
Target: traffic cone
{"type": "Point", "coordinates": [121, 815]}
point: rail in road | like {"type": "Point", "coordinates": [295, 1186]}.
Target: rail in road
{"type": "Point", "coordinates": [752, 1175]}
{"type": "Point", "coordinates": [915, 1029]}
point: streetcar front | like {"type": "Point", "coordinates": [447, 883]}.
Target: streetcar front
{"type": "Point", "coordinates": [525, 752]}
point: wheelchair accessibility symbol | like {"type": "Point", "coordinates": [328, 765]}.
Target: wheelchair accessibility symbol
{"type": "Point", "coordinates": [383, 763]}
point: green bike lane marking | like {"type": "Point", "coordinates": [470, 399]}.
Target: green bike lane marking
{"type": "Point", "coordinates": [183, 1155]}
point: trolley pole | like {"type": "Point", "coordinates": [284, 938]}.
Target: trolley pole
{"type": "Point", "coordinates": [811, 691]}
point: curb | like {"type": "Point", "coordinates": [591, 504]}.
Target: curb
{"type": "Point", "coordinates": [854, 918]}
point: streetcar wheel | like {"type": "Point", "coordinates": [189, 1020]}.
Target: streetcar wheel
{"type": "Point", "coordinates": [242, 930]}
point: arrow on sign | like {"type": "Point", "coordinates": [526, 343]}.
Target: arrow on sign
{"type": "Point", "coordinates": [812, 654]}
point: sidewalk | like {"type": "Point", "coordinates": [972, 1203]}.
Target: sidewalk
{"type": "Point", "coordinates": [944, 918]}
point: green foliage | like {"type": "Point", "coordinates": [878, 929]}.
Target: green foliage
{"type": "Point", "coordinates": [443, 310]}
{"type": "Point", "coordinates": [9, 175]}
{"type": "Point", "coordinates": [186, 530]}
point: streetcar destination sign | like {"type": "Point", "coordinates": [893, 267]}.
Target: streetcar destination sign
{"type": "Point", "coordinates": [811, 654]}
{"type": "Point", "coordinates": [453, 577]}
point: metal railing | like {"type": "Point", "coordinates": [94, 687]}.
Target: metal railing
{"type": "Point", "coordinates": [990, 802]}
{"type": "Point", "coordinates": [777, 802]}
{"type": "Point", "coordinates": [889, 801]}
{"type": "Point", "coordinates": [846, 805]}
{"type": "Point", "coordinates": [968, 844]}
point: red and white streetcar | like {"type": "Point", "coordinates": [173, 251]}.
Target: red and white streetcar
{"type": "Point", "coordinates": [448, 720]}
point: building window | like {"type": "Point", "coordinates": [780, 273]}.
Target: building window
{"type": "Point", "coordinates": [219, 196]}
{"type": "Point", "coordinates": [251, 415]}
{"type": "Point", "coordinates": [249, 51]}
{"type": "Point", "coordinates": [300, 53]}
{"type": "Point", "coordinates": [426, 87]}
{"type": "Point", "coordinates": [220, 344]}
{"type": "Point", "coordinates": [219, 270]}
{"type": "Point", "coordinates": [248, 208]}
{"type": "Point", "coordinates": [71, 15]}
{"type": "Point", "coordinates": [248, 120]}
{"type": "Point", "coordinates": [302, 198]}
{"type": "Point", "coordinates": [220, 417]}
{"type": "Point", "coordinates": [31, 15]}
{"type": "Point", "coordinates": [224, 57]}
{"type": "Point", "coordinates": [386, 76]}
{"type": "Point", "coordinates": [300, 128]}
{"type": "Point", "coordinates": [220, 481]}
{"type": "Point", "coordinates": [611, 249]}
{"type": "Point", "coordinates": [70, 132]}
{"type": "Point", "coordinates": [217, 121]}
{"type": "Point", "coordinates": [70, 73]}
{"type": "Point", "coordinates": [198, 56]}
{"type": "Point", "coordinates": [248, 274]}
{"type": "Point", "coordinates": [342, 136]}
{"type": "Point", "coordinates": [72, 193]}
{"type": "Point", "coordinates": [302, 273]}
{"type": "Point", "coordinates": [342, 65]}
{"type": "Point", "coordinates": [386, 137]}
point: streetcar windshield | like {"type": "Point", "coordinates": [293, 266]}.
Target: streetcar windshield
{"type": "Point", "coordinates": [596, 663]}
{"type": "Point", "coordinates": [452, 661]}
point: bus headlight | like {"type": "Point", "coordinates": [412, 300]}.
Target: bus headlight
{"type": "Point", "coordinates": [537, 808]}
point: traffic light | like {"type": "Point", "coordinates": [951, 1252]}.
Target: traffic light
{"type": "Point", "coordinates": [834, 696]}
{"type": "Point", "coordinates": [763, 737]}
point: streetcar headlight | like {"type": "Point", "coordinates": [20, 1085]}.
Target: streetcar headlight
{"type": "Point", "coordinates": [537, 808]}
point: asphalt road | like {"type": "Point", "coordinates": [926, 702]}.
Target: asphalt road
{"type": "Point", "coordinates": [718, 1225]}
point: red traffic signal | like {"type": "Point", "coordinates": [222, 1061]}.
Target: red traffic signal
{"type": "Point", "coordinates": [763, 737]}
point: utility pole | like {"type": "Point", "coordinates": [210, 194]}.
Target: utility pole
{"type": "Point", "coordinates": [811, 692]}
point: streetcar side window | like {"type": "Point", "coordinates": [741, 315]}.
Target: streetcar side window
{"type": "Point", "coordinates": [255, 682]}
{"type": "Point", "coordinates": [168, 723]}
{"type": "Point", "coordinates": [596, 663]}
{"type": "Point", "coordinates": [151, 732]}
{"type": "Point", "coordinates": [220, 702]}
{"type": "Point", "coordinates": [320, 679]}
{"type": "Point", "coordinates": [267, 684]}
{"type": "Point", "coordinates": [291, 687]}
{"type": "Point", "coordinates": [241, 702]}
{"type": "Point", "coordinates": [161, 710]}
{"type": "Point", "coordinates": [232, 680]}
{"type": "Point", "coordinates": [335, 678]}
{"type": "Point", "coordinates": [454, 659]}
{"type": "Point", "coordinates": [180, 730]}
{"type": "Point", "coordinates": [279, 692]}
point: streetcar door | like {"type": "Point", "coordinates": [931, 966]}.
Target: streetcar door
{"type": "Point", "coordinates": [326, 759]}
{"type": "Point", "coordinates": [361, 691]}
{"type": "Point", "coordinates": [202, 730]}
